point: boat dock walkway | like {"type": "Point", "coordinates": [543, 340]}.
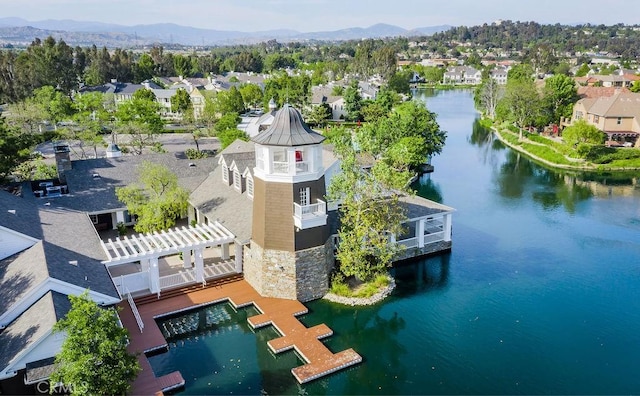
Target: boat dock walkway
{"type": "Point", "coordinates": [279, 313]}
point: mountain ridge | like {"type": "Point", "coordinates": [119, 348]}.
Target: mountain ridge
{"type": "Point", "coordinates": [20, 31]}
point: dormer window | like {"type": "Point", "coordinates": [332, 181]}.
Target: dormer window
{"type": "Point", "coordinates": [250, 186]}
{"type": "Point", "coordinates": [237, 180]}
{"type": "Point", "coordinates": [225, 173]}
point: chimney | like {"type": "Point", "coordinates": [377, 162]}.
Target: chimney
{"type": "Point", "coordinates": [63, 160]}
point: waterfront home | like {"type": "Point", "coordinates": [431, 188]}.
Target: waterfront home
{"type": "Point", "coordinates": [617, 115]}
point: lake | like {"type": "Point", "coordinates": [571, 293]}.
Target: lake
{"type": "Point", "coordinates": [539, 295]}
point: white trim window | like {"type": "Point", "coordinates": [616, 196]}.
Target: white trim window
{"type": "Point", "coordinates": [225, 173]}
{"type": "Point", "coordinates": [237, 180]}
{"type": "Point", "coordinates": [305, 196]}
{"type": "Point", "coordinates": [250, 186]}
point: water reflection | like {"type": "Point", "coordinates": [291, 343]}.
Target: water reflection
{"type": "Point", "coordinates": [428, 274]}
{"type": "Point", "coordinates": [427, 188]}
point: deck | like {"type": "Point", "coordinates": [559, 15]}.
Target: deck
{"type": "Point", "coordinates": [277, 312]}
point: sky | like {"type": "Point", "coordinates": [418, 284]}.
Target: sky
{"type": "Point", "coordinates": [323, 15]}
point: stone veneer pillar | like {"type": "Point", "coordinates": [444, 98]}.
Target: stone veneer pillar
{"type": "Point", "coordinates": [303, 275]}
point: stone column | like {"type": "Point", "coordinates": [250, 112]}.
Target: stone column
{"type": "Point", "coordinates": [199, 265]}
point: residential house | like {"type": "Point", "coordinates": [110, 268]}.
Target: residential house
{"type": "Point", "coordinates": [617, 115]}
{"type": "Point", "coordinates": [499, 74]}
{"type": "Point", "coordinates": [48, 252]}
{"type": "Point", "coordinates": [324, 95]}
{"type": "Point", "coordinates": [462, 75]}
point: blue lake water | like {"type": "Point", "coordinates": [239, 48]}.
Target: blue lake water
{"type": "Point", "coordinates": [540, 294]}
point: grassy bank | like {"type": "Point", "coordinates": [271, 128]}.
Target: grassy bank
{"type": "Point", "coordinates": [557, 154]}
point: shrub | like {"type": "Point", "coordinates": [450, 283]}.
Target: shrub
{"type": "Point", "coordinates": [192, 153]}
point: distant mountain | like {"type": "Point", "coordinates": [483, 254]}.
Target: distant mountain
{"type": "Point", "coordinates": [20, 31]}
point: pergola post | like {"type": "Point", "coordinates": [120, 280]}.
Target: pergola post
{"type": "Point", "coordinates": [420, 232]}
{"type": "Point", "coordinates": [186, 258]}
{"type": "Point", "coordinates": [154, 275]}
{"type": "Point", "coordinates": [199, 265]}
{"type": "Point", "coordinates": [238, 260]}
{"type": "Point", "coordinates": [224, 251]}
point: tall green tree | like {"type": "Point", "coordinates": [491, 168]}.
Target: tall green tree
{"type": "Point", "coordinates": [559, 95]}
{"type": "Point", "coordinates": [156, 199]}
{"type": "Point", "coordinates": [93, 359]}
{"type": "Point", "coordinates": [15, 148]}
{"type": "Point", "coordinates": [353, 102]}
{"type": "Point", "coordinates": [181, 101]}
{"type": "Point", "coordinates": [369, 213]}
{"type": "Point", "coordinates": [251, 95]}
{"type": "Point", "coordinates": [522, 101]}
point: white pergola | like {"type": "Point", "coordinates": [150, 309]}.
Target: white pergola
{"type": "Point", "coordinates": [158, 244]}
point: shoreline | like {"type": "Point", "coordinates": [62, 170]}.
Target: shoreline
{"type": "Point", "coordinates": [586, 168]}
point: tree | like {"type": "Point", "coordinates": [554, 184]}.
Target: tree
{"type": "Point", "coordinates": [230, 101]}
{"type": "Point", "coordinates": [181, 101]}
{"type": "Point", "coordinates": [353, 102]}
{"type": "Point", "coordinates": [15, 148]}
{"type": "Point", "coordinates": [251, 95]}
{"type": "Point", "coordinates": [140, 118]}
{"type": "Point", "coordinates": [229, 136]}
{"type": "Point", "coordinates": [93, 359]}
{"type": "Point", "coordinates": [522, 101]}
{"type": "Point", "coordinates": [157, 200]}
{"type": "Point", "coordinates": [560, 93]}
{"type": "Point", "coordinates": [635, 87]}
{"type": "Point", "coordinates": [320, 114]}
{"type": "Point", "coordinates": [583, 70]}
{"type": "Point", "coordinates": [488, 95]}
{"type": "Point", "coordinates": [399, 81]}
{"type": "Point", "coordinates": [582, 132]}
{"type": "Point", "coordinates": [368, 214]}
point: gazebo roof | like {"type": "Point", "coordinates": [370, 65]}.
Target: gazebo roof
{"type": "Point", "coordinates": [288, 129]}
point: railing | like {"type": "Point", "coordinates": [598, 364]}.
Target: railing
{"type": "Point", "coordinates": [136, 282]}
{"type": "Point", "coordinates": [181, 278]}
{"type": "Point", "coordinates": [135, 311]}
{"type": "Point", "coordinates": [285, 166]}
{"type": "Point", "coordinates": [316, 209]}
{"type": "Point", "coordinates": [281, 167]}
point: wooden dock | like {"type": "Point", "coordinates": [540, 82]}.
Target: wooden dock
{"type": "Point", "coordinates": [279, 313]}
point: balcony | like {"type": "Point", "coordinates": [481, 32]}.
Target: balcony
{"type": "Point", "coordinates": [310, 216]}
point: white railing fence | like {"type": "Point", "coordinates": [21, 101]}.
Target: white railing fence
{"type": "Point", "coordinates": [181, 278]}
{"type": "Point", "coordinates": [135, 311]}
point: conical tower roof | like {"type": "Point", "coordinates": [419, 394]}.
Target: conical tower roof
{"type": "Point", "coordinates": [288, 129]}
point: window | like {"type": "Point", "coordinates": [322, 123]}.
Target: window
{"type": "Point", "coordinates": [619, 121]}
{"type": "Point", "coordinates": [578, 115]}
{"type": "Point", "coordinates": [596, 118]}
{"type": "Point", "coordinates": [250, 186]}
{"type": "Point", "coordinates": [237, 181]}
{"type": "Point", "coordinates": [94, 219]}
{"type": "Point", "coordinates": [299, 156]}
{"type": "Point", "coordinates": [305, 193]}
{"type": "Point", "coordinates": [225, 173]}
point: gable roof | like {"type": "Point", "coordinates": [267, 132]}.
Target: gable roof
{"type": "Point", "coordinates": [288, 129]}
{"type": "Point", "coordinates": [621, 104]}
{"type": "Point", "coordinates": [32, 325]}
{"type": "Point", "coordinates": [59, 231]}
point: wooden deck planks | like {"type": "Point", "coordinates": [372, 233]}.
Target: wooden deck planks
{"type": "Point", "coordinates": [280, 313]}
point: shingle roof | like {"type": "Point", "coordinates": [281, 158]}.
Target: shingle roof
{"type": "Point", "coordinates": [288, 129]}
{"type": "Point", "coordinates": [90, 194]}
{"type": "Point", "coordinates": [59, 230]}
{"type": "Point", "coordinates": [33, 324]}
{"type": "Point", "coordinates": [621, 104]}
{"type": "Point", "coordinates": [222, 203]}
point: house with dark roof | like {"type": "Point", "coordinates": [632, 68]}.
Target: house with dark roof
{"type": "Point", "coordinates": [48, 252]}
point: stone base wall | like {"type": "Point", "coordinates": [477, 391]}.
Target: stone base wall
{"type": "Point", "coordinates": [303, 275]}
{"type": "Point", "coordinates": [432, 248]}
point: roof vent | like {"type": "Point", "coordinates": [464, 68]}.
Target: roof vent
{"type": "Point", "coordinates": [95, 175]}
{"type": "Point", "coordinates": [47, 204]}
{"type": "Point", "coordinates": [73, 262]}
{"type": "Point", "coordinates": [12, 211]}
{"type": "Point", "coordinates": [191, 164]}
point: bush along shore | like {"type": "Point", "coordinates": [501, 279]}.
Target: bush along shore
{"type": "Point", "coordinates": [553, 152]}
{"type": "Point", "coordinates": [371, 300]}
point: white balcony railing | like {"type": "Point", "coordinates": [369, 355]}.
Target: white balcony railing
{"type": "Point", "coordinates": [286, 168]}
{"type": "Point", "coordinates": [309, 216]}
